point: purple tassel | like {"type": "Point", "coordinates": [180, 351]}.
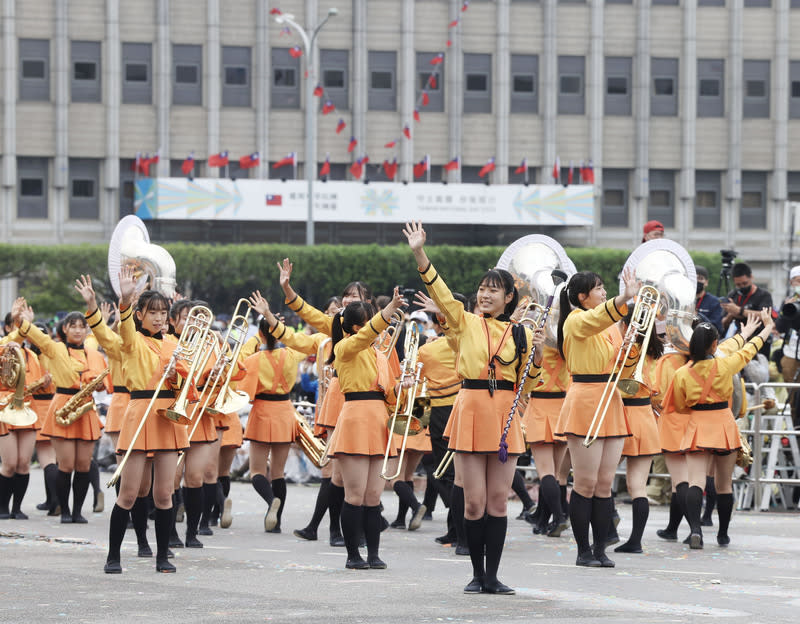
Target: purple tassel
{"type": "Point", "coordinates": [502, 452]}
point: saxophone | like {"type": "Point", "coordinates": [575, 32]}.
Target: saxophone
{"type": "Point", "coordinates": [29, 389]}
{"type": "Point", "coordinates": [78, 404]}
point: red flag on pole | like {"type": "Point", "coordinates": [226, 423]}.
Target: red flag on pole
{"type": "Point", "coordinates": [286, 160]}
{"type": "Point", "coordinates": [432, 81]}
{"type": "Point", "coordinates": [407, 131]}
{"type": "Point", "coordinates": [390, 168]}
{"type": "Point", "coordinates": [438, 59]}
{"type": "Point", "coordinates": [318, 90]}
{"type": "Point", "coordinates": [452, 165]}
{"type": "Point", "coordinates": [588, 174]}
{"type": "Point", "coordinates": [357, 168]}
{"type": "Point", "coordinates": [352, 145]}
{"type": "Point", "coordinates": [465, 6]}
{"type": "Point", "coordinates": [326, 168]}
{"type": "Point", "coordinates": [425, 98]}
{"type": "Point", "coordinates": [249, 161]}
{"type": "Point", "coordinates": [453, 24]}
{"type": "Point", "coordinates": [569, 174]}
{"type": "Point", "coordinates": [487, 168]}
{"type": "Point", "coordinates": [275, 11]}
{"type": "Point", "coordinates": [218, 160]}
{"type": "Point", "coordinates": [295, 52]}
{"type": "Point", "coordinates": [421, 167]}
{"type": "Point", "coordinates": [523, 166]}
{"type": "Point", "coordinates": [188, 165]}
{"type": "Point", "coordinates": [328, 107]}
{"type": "Point", "coordinates": [391, 144]}
{"type": "Point", "coordinates": [557, 170]}
{"type": "Point", "coordinates": [340, 126]}
{"type": "Point", "coordinates": [416, 115]}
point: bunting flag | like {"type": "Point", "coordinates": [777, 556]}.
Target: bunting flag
{"type": "Point", "coordinates": [295, 51]}
{"type": "Point", "coordinates": [465, 6]}
{"type": "Point", "coordinates": [557, 170]}
{"type": "Point", "coordinates": [328, 107]}
{"type": "Point", "coordinates": [286, 160]}
{"type": "Point", "coordinates": [357, 168]}
{"type": "Point", "coordinates": [352, 145]}
{"type": "Point", "coordinates": [325, 170]}
{"type": "Point", "coordinates": [523, 167]}
{"type": "Point", "coordinates": [275, 11]}
{"type": "Point", "coordinates": [391, 144]}
{"type": "Point", "coordinates": [218, 160]}
{"type": "Point", "coordinates": [188, 165]}
{"type": "Point", "coordinates": [453, 24]}
{"type": "Point", "coordinates": [390, 168]}
{"type": "Point", "coordinates": [432, 81]}
{"type": "Point", "coordinates": [421, 167]}
{"type": "Point", "coordinates": [136, 166]}
{"type": "Point", "coordinates": [438, 59]}
{"type": "Point", "coordinates": [449, 43]}
{"type": "Point", "coordinates": [569, 174]}
{"type": "Point", "coordinates": [425, 99]}
{"type": "Point", "coordinates": [407, 132]}
{"type": "Point", "coordinates": [318, 90]}
{"type": "Point", "coordinates": [416, 115]}
{"type": "Point", "coordinates": [340, 126]}
{"type": "Point", "coordinates": [587, 174]}
{"type": "Point", "coordinates": [487, 168]}
{"type": "Point", "coordinates": [452, 165]}
{"type": "Point", "coordinates": [249, 161]}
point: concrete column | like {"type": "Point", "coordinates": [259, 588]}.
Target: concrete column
{"type": "Point", "coordinates": [213, 83]}
{"type": "Point", "coordinates": [641, 112]}
{"type": "Point", "coordinates": [549, 89]}
{"type": "Point", "coordinates": [359, 81]}
{"type": "Point", "coordinates": [61, 57]}
{"type": "Point", "coordinates": [163, 76]}
{"type": "Point", "coordinates": [502, 91]}
{"type": "Point", "coordinates": [455, 91]}
{"type": "Point", "coordinates": [8, 175]}
{"type": "Point", "coordinates": [406, 76]}
{"type": "Point", "coordinates": [685, 219]}
{"type": "Point", "coordinates": [112, 80]}
{"type": "Point", "coordinates": [780, 93]}
{"type": "Point", "coordinates": [733, 182]}
{"type": "Point", "coordinates": [261, 83]}
{"type": "Point", "coordinates": [595, 82]}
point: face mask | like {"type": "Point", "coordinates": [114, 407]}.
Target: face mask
{"type": "Point", "coordinates": [700, 287]}
{"type": "Point", "coordinates": [744, 291]}
{"type": "Point", "coordinates": [797, 290]}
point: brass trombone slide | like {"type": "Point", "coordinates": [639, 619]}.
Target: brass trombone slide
{"type": "Point", "coordinates": [444, 464]}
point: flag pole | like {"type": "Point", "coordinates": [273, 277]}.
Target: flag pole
{"type": "Point", "coordinates": [428, 167]}
{"type": "Point", "coordinates": [526, 171]}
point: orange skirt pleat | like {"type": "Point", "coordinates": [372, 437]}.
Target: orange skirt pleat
{"type": "Point", "coordinates": [116, 411]}
{"type": "Point", "coordinates": [271, 422]}
{"type": "Point", "coordinates": [233, 434]}
{"type": "Point", "coordinates": [541, 419]}
{"type": "Point", "coordinates": [331, 406]}
{"type": "Point", "coordinates": [479, 421]}
{"type": "Point", "coordinates": [158, 434]}
{"type": "Point", "coordinates": [579, 409]}
{"type": "Point", "coordinates": [644, 438]}
{"type": "Point", "coordinates": [671, 429]}
{"type": "Point", "coordinates": [712, 430]}
{"type": "Point", "coordinates": [88, 427]}
{"type": "Point", "coordinates": [206, 430]}
{"type": "Point", "coordinates": [361, 430]}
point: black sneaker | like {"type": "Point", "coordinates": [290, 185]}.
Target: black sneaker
{"type": "Point", "coordinates": [306, 534]}
{"type": "Point", "coordinates": [670, 536]}
{"type": "Point", "coordinates": [112, 567]}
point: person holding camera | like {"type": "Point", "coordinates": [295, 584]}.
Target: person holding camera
{"type": "Point", "coordinates": [745, 300]}
{"type": "Point", "coordinates": [788, 324]}
{"type": "Point", "coordinates": [707, 305]}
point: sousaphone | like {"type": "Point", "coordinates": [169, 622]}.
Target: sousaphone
{"type": "Point", "coordinates": [130, 246]}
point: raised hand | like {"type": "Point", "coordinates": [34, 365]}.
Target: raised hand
{"type": "Point", "coordinates": [631, 283]}
{"type": "Point", "coordinates": [415, 234]}
{"type": "Point", "coordinates": [106, 310]}
{"type": "Point", "coordinates": [127, 286]}
{"type": "Point", "coordinates": [750, 326]}
{"type": "Point", "coordinates": [17, 308]}
{"type": "Point", "coordinates": [84, 286]}
{"type": "Point", "coordinates": [394, 305]}
{"type": "Point", "coordinates": [425, 303]}
{"type": "Point", "coordinates": [27, 313]}
{"type": "Point", "coordinates": [258, 302]}
{"type": "Point", "coordinates": [285, 269]}
{"type": "Point", "coordinates": [766, 318]}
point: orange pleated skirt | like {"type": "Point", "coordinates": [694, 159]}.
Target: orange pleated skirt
{"type": "Point", "coordinates": [361, 430]}
{"type": "Point", "coordinates": [116, 411]}
{"type": "Point", "coordinates": [3, 429]}
{"type": "Point", "coordinates": [420, 442]}
{"type": "Point", "coordinates": [644, 439]}
{"type": "Point", "coordinates": [88, 427]}
{"type": "Point", "coordinates": [541, 418]}
{"type": "Point", "coordinates": [271, 422]}
{"type": "Point", "coordinates": [448, 428]}
{"type": "Point", "coordinates": [671, 428]}
{"type": "Point", "coordinates": [206, 430]}
{"type": "Point", "coordinates": [712, 430]}
{"type": "Point", "coordinates": [233, 433]}
{"type": "Point", "coordinates": [479, 421]}
{"type": "Point", "coordinates": [331, 407]}
{"type": "Point", "coordinates": [41, 407]}
{"type": "Point", "coordinates": [158, 434]}
{"type": "Point", "coordinates": [579, 409]}
{"type": "Point", "coordinates": [36, 426]}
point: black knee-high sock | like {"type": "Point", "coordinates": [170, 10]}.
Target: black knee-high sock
{"type": "Point", "coordinates": [405, 494]}
{"type": "Point", "coordinates": [682, 489]}
{"type": "Point", "coordinates": [194, 509]}
{"type": "Point", "coordinates": [163, 524]}
{"type": "Point", "coordinates": [675, 511]}
{"type": "Point", "coordinates": [279, 490]}
{"type": "Point", "coordinates": [220, 498]}
{"type": "Point", "coordinates": [711, 498]}
{"type": "Point", "coordinates": [262, 486]}
{"type": "Point", "coordinates": [580, 515]}
{"type": "Point", "coordinates": [429, 499]}
{"type": "Point", "coordinates": [173, 531]}
{"type": "Point", "coordinates": [80, 485]}
{"type": "Point", "coordinates": [321, 505]}
{"type": "Point", "coordinates": [518, 485]}
{"type": "Point", "coordinates": [542, 511]}
{"type": "Point", "coordinates": [602, 511]}
{"type": "Point", "coordinates": [724, 511]}
{"type": "Point", "coordinates": [476, 540]}
{"type": "Point", "coordinates": [457, 507]}
{"type": "Point", "coordinates": [94, 477]}
{"type": "Point", "coordinates": [116, 531]}
{"type": "Point", "coordinates": [694, 501]}
{"type": "Point", "coordinates": [209, 498]}
{"type": "Point", "coordinates": [63, 483]}
{"type": "Point", "coordinates": [226, 485]}
{"type": "Point", "coordinates": [6, 489]}
{"type": "Point", "coordinates": [139, 519]}
{"type": "Point", "coordinates": [20, 486]}
{"type": "Point", "coordinates": [495, 539]}
{"type": "Point", "coordinates": [372, 530]}
{"type": "Point", "coordinates": [351, 528]}
{"type": "Point", "coordinates": [336, 500]}
{"type": "Point", "coordinates": [549, 490]}
{"type": "Point", "coordinates": [51, 484]}
{"type": "Point", "coordinates": [641, 511]}
{"type": "Point", "coordinates": [564, 503]}
{"type": "Point", "coordinates": [116, 486]}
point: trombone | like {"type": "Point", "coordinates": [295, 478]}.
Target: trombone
{"type": "Point", "coordinates": [232, 400]}
{"type": "Point", "coordinates": [444, 464]}
{"type": "Point", "coordinates": [642, 321]}
{"type": "Point", "coordinates": [388, 339]}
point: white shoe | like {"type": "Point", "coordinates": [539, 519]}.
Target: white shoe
{"type": "Point", "coordinates": [227, 517]}
{"type": "Point", "coordinates": [271, 517]}
{"type": "Point", "coordinates": [416, 520]}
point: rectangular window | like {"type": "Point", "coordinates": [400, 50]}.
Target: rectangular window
{"type": "Point", "coordinates": [757, 3]}
{"type": "Point", "coordinates": [126, 189]}
{"type": "Point", "coordinates": [614, 211]}
{"type": "Point", "coordinates": [571, 72]}
{"type": "Point", "coordinates": [794, 89]}
{"type": "Point", "coordinates": [34, 75]}
{"type": "Point", "coordinates": [86, 57]}
{"type": "Point", "coordinates": [424, 72]}
{"type": "Point", "coordinates": [477, 83]}
{"type": "Point", "coordinates": [187, 75]}
{"type": "Point", "coordinates": [32, 188]}
{"type": "Point", "coordinates": [664, 97]}
{"type": "Point", "coordinates": [382, 93]}
{"type": "Point", "coordinates": [285, 91]}
{"type": "Point", "coordinates": [137, 82]}
{"type": "Point", "coordinates": [710, 87]}
{"type": "Point", "coordinates": [753, 210]}
{"type": "Point", "coordinates": [335, 68]}
{"type": "Point", "coordinates": [84, 175]}
{"type": "Point", "coordinates": [755, 103]}
{"type": "Point", "coordinates": [236, 71]}
{"type": "Point", "coordinates": [707, 199]}
{"type": "Point", "coordinates": [662, 192]}
{"type": "Point", "coordinates": [619, 76]}
{"type": "Point", "coordinates": [711, 3]}
{"type": "Point", "coordinates": [82, 189]}
{"type": "Point", "coordinates": [665, 2]}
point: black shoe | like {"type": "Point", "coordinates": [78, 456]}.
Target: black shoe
{"type": "Point", "coordinates": [475, 586]}
{"type": "Point", "coordinates": [145, 551]}
{"type": "Point", "coordinates": [306, 534]}
{"type": "Point", "coordinates": [695, 541]}
{"type": "Point", "coordinates": [336, 541]}
{"type": "Point", "coordinates": [204, 530]}
{"type": "Point", "coordinates": [362, 542]}
{"type": "Point", "coordinates": [54, 511]}
{"type": "Point", "coordinates": [427, 516]}
{"type": "Point", "coordinates": [213, 521]}
{"type": "Point", "coordinates": [627, 547]}
{"type": "Point", "coordinates": [556, 528]}
{"type": "Point", "coordinates": [193, 542]}
{"type": "Point", "coordinates": [276, 529]}
{"type": "Point", "coordinates": [43, 506]}
{"type": "Point", "coordinates": [19, 515]}
{"type": "Point", "coordinates": [375, 563]}
{"type": "Point", "coordinates": [66, 519]}
{"type": "Point", "coordinates": [587, 560]}
{"type": "Point", "coordinates": [5, 515]}
{"type": "Point", "coordinates": [398, 524]}
{"type": "Point", "coordinates": [384, 524]}
{"type": "Point", "coordinates": [688, 539]}
{"type": "Point", "coordinates": [723, 540]}
{"type": "Point", "coordinates": [175, 542]}
{"type": "Point", "coordinates": [462, 549]}
{"type": "Point", "coordinates": [496, 587]}
{"type": "Point", "coordinates": [170, 554]}
{"type": "Point", "coordinates": [112, 567]}
{"type": "Point", "coordinates": [445, 539]}
{"type": "Point", "coordinates": [706, 522]}
{"type": "Point", "coordinates": [615, 520]}
{"type": "Point", "coordinates": [164, 566]}
{"type": "Point", "coordinates": [540, 528]}
{"type": "Point", "coordinates": [605, 562]}
{"type": "Point", "coordinates": [76, 519]}
{"type": "Point", "coordinates": [613, 538]}
{"type": "Point", "coordinates": [356, 564]}
{"type": "Point", "coordinates": [526, 511]}
{"type": "Point", "coordinates": [670, 536]}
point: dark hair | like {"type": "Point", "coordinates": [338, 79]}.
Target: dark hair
{"type": "Point", "coordinates": [703, 337]}
{"type": "Point", "coordinates": [9, 320]}
{"type": "Point", "coordinates": [472, 302]}
{"type": "Point", "coordinates": [263, 329]}
{"type": "Point", "coordinates": [461, 298]}
{"type": "Point", "coordinates": [363, 291]}
{"type": "Point", "coordinates": [150, 300]}
{"type": "Point", "coordinates": [356, 313]}
{"type": "Point", "coordinates": [502, 279]}
{"type": "Point", "coordinates": [580, 283]}
{"type": "Point", "coordinates": [741, 269]}
{"type": "Point", "coordinates": [655, 347]}
{"type": "Point", "coordinates": [175, 312]}
{"type": "Point", "coordinates": [381, 301]}
{"type": "Point", "coordinates": [332, 300]}
{"type": "Point", "coordinates": [69, 319]}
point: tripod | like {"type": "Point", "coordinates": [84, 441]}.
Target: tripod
{"type": "Point", "coordinates": [724, 278]}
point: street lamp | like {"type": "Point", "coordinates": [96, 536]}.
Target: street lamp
{"type": "Point", "coordinates": [311, 139]}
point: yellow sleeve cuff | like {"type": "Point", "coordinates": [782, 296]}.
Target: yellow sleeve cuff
{"type": "Point", "coordinates": [296, 304]}
{"type": "Point", "coordinates": [94, 318]}
{"type": "Point", "coordinates": [429, 274]}
{"type": "Point", "coordinates": [278, 331]}
{"type": "Point", "coordinates": [125, 314]}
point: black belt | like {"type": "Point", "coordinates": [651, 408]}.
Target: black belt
{"type": "Point", "coordinates": [263, 396]}
{"type": "Point", "coordinates": [121, 390]}
{"type": "Point", "coordinates": [364, 396]}
{"type": "Point", "coordinates": [43, 397]}
{"type": "Point", "coordinates": [590, 378]}
{"type": "Point", "coordinates": [707, 407]}
{"type": "Point", "coordinates": [483, 384]}
{"type": "Point", "coordinates": [548, 395]}
{"type": "Point", "coordinates": [148, 394]}
{"type": "Point", "coordinates": [335, 373]}
{"type": "Point", "coordinates": [67, 390]}
{"type": "Point", "coordinates": [636, 402]}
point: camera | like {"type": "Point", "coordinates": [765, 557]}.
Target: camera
{"type": "Point", "coordinates": [408, 293]}
{"type": "Point", "coordinates": [728, 255]}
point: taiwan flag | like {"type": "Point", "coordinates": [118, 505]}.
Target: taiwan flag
{"type": "Point", "coordinates": [487, 168]}
{"type": "Point", "coordinates": [452, 165]}
{"type": "Point", "coordinates": [340, 126]}
{"type": "Point", "coordinates": [523, 167]}
{"type": "Point", "coordinates": [218, 160]}
{"type": "Point", "coordinates": [250, 161]}
{"type": "Point", "coordinates": [325, 170]}
{"type": "Point", "coordinates": [188, 165]}
{"type": "Point", "coordinates": [407, 131]}
{"type": "Point", "coordinates": [390, 168]}
{"type": "Point", "coordinates": [421, 167]}
{"type": "Point", "coordinates": [328, 107]}
{"type": "Point", "coordinates": [274, 200]}
{"type": "Point", "coordinates": [286, 160]}
{"type": "Point", "coordinates": [352, 145]}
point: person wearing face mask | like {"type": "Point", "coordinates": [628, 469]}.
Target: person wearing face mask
{"type": "Point", "coordinates": [788, 324]}
{"type": "Point", "coordinates": [746, 299]}
{"type": "Point", "coordinates": [707, 305]}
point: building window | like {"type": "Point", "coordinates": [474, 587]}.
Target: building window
{"type": "Point", "coordinates": [614, 212]}
{"type": "Point", "coordinates": [794, 89]}
{"type": "Point", "coordinates": [711, 87]}
{"type": "Point", "coordinates": [382, 94]}
{"type": "Point", "coordinates": [84, 175]}
{"type": "Point", "coordinates": [753, 210]}
{"type": "Point", "coordinates": [707, 199]}
{"type": "Point", "coordinates": [285, 77]}
{"type": "Point", "coordinates": [285, 92]}
{"type": "Point", "coordinates": [756, 89]}
{"type": "Point", "coordinates": [710, 2]}
{"type": "Point", "coordinates": [137, 87]}
{"type": "Point", "coordinates": [187, 72]}
{"type": "Point", "coordinates": [619, 71]}
{"type": "Point", "coordinates": [662, 192]}
{"type": "Point", "coordinates": [34, 75]}
{"type": "Point", "coordinates": [32, 188]}
{"type": "Point", "coordinates": [86, 71]}
{"type": "Point", "coordinates": [757, 3]}
{"type": "Point", "coordinates": [236, 70]}
{"type": "Point", "coordinates": [664, 96]}
{"type": "Point", "coordinates": [424, 72]}
{"type": "Point", "coordinates": [524, 91]}
{"type": "Point", "coordinates": [477, 83]}
{"type": "Point", "coordinates": [571, 72]}
{"type": "Point", "coordinates": [334, 65]}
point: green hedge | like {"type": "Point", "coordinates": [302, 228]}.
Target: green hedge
{"type": "Point", "coordinates": [221, 274]}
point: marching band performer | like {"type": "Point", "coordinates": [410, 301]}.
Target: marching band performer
{"type": "Point", "coordinates": [490, 360]}
{"type": "Point", "coordinates": [703, 388]}
{"type": "Point", "coordinates": [589, 340]}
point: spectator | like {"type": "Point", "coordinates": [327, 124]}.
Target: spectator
{"type": "Point", "coordinates": [745, 300]}
{"type": "Point", "coordinates": [788, 324]}
{"type": "Point", "coordinates": [653, 229]}
{"type": "Point", "coordinates": [707, 305]}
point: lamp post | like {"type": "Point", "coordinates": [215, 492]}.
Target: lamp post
{"type": "Point", "coordinates": [311, 138]}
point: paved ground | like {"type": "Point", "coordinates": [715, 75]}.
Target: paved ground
{"type": "Point", "coordinates": [50, 572]}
